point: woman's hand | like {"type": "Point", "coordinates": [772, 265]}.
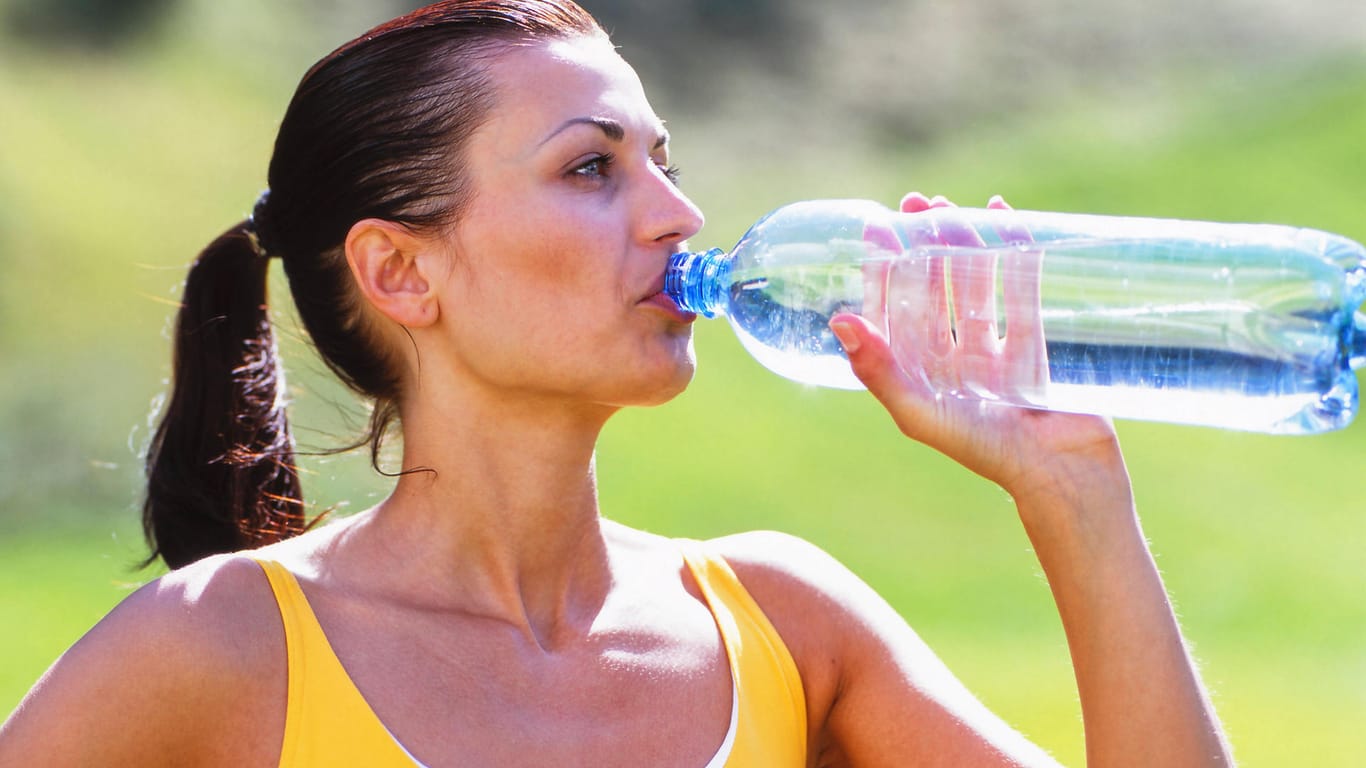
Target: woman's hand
{"type": "Point", "coordinates": [939, 377]}
{"type": "Point", "coordinates": [946, 371]}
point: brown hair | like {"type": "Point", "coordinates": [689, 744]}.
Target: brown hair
{"type": "Point", "coordinates": [375, 130]}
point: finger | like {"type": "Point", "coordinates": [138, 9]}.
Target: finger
{"type": "Point", "coordinates": [914, 202]}
{"type": "Point", "coordinates": [918, 322]}
{"type": "Point", "coordinates": [1024, 350]}
{"type": "Point", "coordinates": [972, 278]}
{"type": "Point", "coordinates": [906, 397]}
{"type": "Point", "coordinates": [916, 230]}
{"type": "Point", "coordinates": [953, 228]}
{"type": "Point", "coordinates": [883, 246]}
{"type": "Point", "coordinates": [971, 323]}
{"type": "Point", "coordinates": [1021, 282]}
{"type": "Point", "coordinates": [919, 318]}
{"type": "Point", "coordinates": [1009, 229]}
{"type": "Point", "coordinates": [870, 355]}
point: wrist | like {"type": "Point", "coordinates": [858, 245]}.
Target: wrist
{"type": "Point", "coordinates": [1080, 508]}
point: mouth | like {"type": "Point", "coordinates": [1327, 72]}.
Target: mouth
{"type": "Point", "coordinates": [660, 300]}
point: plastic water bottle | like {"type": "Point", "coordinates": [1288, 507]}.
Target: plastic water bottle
{"type": "Point", "coordinates": [1243, 326]}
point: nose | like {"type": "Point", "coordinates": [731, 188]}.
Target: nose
{"type": "Point", "coordinates": [671, 216]}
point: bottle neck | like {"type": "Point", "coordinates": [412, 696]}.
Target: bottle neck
{"type": "Point", "coordinates": [1354, 335]}
{"type": "Point", "coordinates": [696, 281]}
{"type": "Point", "coordinates": [1355, 341]}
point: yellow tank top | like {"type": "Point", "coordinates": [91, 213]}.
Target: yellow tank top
{"type": "Point", "coordinates": [329, 723]}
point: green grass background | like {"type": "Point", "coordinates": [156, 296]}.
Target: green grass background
{"type": "Point", "coordinates": [112, 175]}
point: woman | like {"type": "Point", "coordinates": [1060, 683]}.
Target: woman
{"type": "Point", "coordinates": [474, 206]}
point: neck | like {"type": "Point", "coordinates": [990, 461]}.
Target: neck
{"type": "Point", "coordinates": [498, 510]}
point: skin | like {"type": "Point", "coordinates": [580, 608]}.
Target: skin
{"type": "Point", "coordinates": [515, 615]}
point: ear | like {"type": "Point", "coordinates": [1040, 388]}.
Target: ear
{"type": "Point", "coordinates": [386, 260]}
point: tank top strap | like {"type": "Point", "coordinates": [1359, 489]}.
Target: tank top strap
{"type": "Point", "coordinates": [327, 720]}
{"type": "Point", "coordinates": [771, 724]}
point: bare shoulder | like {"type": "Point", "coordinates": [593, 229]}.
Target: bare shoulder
{"type": "Point", "coordinates": [222, 604]}
{"type": "Point", "coordinates": [800, 585]}
{"type": "Point", "coordinates": [865, 670]}
{"type": "Point", "coordinates": [787, 573]}
{"type": "Point", "coordinates": [214, 616]}
{"type": "Point", "coordinates": [824, 613]}
{"type": "Point", "coordinates": [175, 661]}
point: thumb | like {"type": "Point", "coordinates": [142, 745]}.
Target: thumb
{"type": "Point", "coordinates": [870, 357]}
{"type": "Point", "coordinates": [909, 397]}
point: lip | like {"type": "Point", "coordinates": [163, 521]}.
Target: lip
{"type": "Point", "coordinates": [661, 301]}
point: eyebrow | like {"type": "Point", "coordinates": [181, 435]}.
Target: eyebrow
{"type": "Point", "coordinates": [612, 129]}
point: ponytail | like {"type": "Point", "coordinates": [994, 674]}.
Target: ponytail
{"type": "Point", "coordinates": [220, 468]}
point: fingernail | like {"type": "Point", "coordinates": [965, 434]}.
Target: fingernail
{"type": "Point", "coordinates": [845, 333]}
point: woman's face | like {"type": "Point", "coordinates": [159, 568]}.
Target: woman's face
{"type": "Point", "coordinates": [557, 262]}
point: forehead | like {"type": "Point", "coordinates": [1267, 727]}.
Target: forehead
{"type": "Point", "coordinates": [538, 86]}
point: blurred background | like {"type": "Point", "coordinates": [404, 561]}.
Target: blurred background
{"type": "Point", "coordinates": [134, 131]}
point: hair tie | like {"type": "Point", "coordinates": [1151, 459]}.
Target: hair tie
{"type": "Point", "coordinates": [253, 230]}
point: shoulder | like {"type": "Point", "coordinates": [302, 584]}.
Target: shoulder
{"type": "Point", "coordinates": [864, 669]}
{"type": "Point", "coordinates": [802, 585]}
{"type": "Point", "coordinates": [184, 655]}
{"type": "Point", "coordinates": [784, 572]}
{"type": "Point", "coordinates": [208, 614]}
{"type": "Point", "coordinates": [828, 617]}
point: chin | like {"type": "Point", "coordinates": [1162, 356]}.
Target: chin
{"type": "Point", "coordinates": [662, 386]}
{"type": "Point", "coordinates": [675, 387]}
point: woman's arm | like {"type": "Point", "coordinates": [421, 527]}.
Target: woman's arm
{"type": "Point", "coordinates": [1142, 700]}
{"type": "Point", "coordinates": [174, 675]}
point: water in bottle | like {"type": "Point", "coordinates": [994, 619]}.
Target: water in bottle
{"type": "Point", "coordinates": [1243, 326]}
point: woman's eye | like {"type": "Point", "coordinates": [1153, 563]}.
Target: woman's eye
{"type": "Point", "coordinates": [602, 166]}
{"type": "Point", "coordinates": [594, 168]}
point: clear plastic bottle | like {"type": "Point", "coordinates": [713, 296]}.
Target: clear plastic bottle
{"type": "Point", "coordinates": [1243, 326]}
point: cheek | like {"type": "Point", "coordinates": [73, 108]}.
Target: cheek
{"type": "Point", "coordinates": [558, 250]}
{"type": "Point", "coordinates": [540, 290]}
{"type": "Point", "coordinates": [549, 256]}
{"type": "Point", "coordinates": [513, 324]}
